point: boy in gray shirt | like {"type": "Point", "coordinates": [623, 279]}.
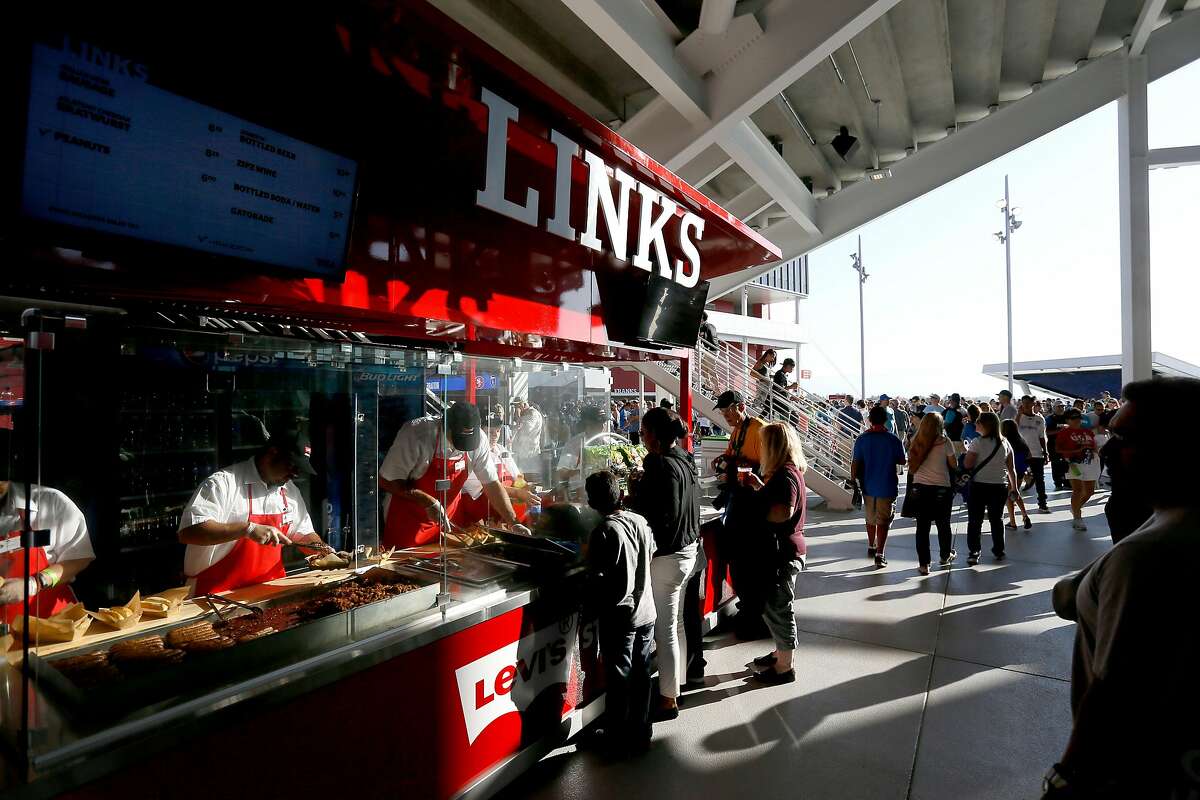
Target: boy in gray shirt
{"type": "Point", "coordinates": [618, 555]}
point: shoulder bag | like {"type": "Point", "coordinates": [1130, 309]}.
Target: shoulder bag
{"type": "Point", "coordinates": [967, 477]}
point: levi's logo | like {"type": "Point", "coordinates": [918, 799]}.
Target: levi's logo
{"type": "Point", "coordinates": [508, 680]}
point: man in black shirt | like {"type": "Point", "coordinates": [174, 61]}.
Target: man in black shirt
{"type": "Point", "coordinates": [953, 415]}
{"type": "Point", "coordinates": [1058, 466]}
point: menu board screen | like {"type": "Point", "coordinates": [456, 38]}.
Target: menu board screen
{"type": "Point", "coordinates": [109, 151]}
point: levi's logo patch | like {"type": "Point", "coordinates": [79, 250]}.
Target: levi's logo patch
{"type": "Point", "coordinates": [508, 680]}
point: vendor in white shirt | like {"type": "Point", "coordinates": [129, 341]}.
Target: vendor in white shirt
{"type": "Point", "coordinates": [239, 517]}
{"type": "Point", "coordinates": [527, 437]}
{"type": "Point", "coordinates": [51, 568]}
{"type": "Point", "coordinates": [570, 462]}
{"type": "Point", "coordinates": [422, 466]}
{"type": "Point", "coordinates": [474, 505]}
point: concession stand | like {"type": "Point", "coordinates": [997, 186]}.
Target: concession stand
{"type": "Point", "coordinates": [343, 220]}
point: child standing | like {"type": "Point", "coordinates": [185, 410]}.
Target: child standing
{"type": "Point", "coordinates": [618, 555]}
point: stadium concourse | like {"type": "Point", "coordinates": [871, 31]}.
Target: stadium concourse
{"type": "Point", "coordinates": [950, 686]}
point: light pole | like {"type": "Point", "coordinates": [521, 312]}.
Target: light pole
{"type": "Point", "coordinates": [856, 263]}
{"type": "Point", "coordinates": [1011, 223]}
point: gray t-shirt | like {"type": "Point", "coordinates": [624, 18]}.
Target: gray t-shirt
{"type": "Point", "coordinates": [1137, 652]}
{"type": "Point", "coordinates": [619, 553]}
{"type": "Point", "coordinates": [994, 471]}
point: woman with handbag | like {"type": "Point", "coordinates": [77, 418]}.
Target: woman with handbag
{"type": "Point", "coordinates": [929, 500]}
{"type": "Point", "coordinates": [991, 474]}
{"type": "Point", "coordinates": [780, 501]}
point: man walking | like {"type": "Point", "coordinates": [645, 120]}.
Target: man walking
{"type": "Point", "coordinates": [901, 417]}
{"type": "Point", "coordinates": [877, 453]}
{"type": "Point", "coordinates": [953, 416]}
{"type": "Point", "coordinates": [1058, 465]}
{"type": "Point", "coordinates": [1007, 410]}
{"type": "Point", "coordinates": [1033, 432]}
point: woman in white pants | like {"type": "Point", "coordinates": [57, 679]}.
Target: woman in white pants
{"type": "Point", "coordinates": [668, 496]}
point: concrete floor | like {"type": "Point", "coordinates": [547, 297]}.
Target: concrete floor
{"type": "Point", "coordinates": [949, 686]}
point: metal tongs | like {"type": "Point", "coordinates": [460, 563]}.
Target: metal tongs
{"type": "Point", "coordinates": [213, 599]}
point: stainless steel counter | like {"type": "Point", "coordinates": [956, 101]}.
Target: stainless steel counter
{"type": "Point", "coordinates": [68, 753]}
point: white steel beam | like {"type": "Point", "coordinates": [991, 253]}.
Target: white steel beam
{"type": "Point", "coordinates": [650, 52]}
{"type": "Point", "coordinates": [715, 16]}
{"type": "Point", "coordinates": [1144, 26]}
{"type": "Point", "coordinates": [1060, 101]}
{"type": "Point", "coordinates": [740, 205]}
{"type": "Point", "coordinates": [797, 35]}
{"type": "Point", "coordinates": [711, 163]}
{"type": "Point", "coordinates": [508, 29]}
{"type": "Point", "coordinates": [763, 163]}
{"type": "Point", "coordinates": [1133, 169]}
{"type": "Point", "coordinates": [636, 35]}
{"type": "Point", "coordinates": [1172, 157]}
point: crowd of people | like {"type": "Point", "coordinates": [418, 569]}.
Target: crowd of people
{"type": "Point", "coordinates": [1135, 715]}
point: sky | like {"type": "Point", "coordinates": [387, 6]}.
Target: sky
{"type": "Point", "coordinates": [935, 298]}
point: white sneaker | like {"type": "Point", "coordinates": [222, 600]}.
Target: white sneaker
{"type": "Point", "coordinates": [1078, 525]}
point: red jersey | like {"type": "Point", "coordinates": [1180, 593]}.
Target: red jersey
{"type": "Point", "coordinates": [1069, 441]}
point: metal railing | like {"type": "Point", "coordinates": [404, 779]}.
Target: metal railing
{"type": "Point", "coordinates": [828, 443]}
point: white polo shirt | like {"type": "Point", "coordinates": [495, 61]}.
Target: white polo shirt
{"type": "Point", "coordinates": [225, 497]}
{"type": "Point", "coordinates": [412, 452]}
{"type": "Point", "coordinates": [500, 455]}
{"type": "Point", "coordinates": [53, 510]}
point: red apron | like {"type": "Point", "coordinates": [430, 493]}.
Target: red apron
{"type": "Point", "coordinates": [407, 524]}
{"type": "Point", "coordinates": [248, 563]}
{"type": "Point", "coordinates": [45, 603]}
{"type": "Point", "coordinates": [471, 510]}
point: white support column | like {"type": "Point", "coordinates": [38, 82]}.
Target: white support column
{"type": "Point", "coordinates": [1133, 160]}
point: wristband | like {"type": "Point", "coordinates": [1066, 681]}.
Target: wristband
{"type": "Point", "coordinates": [47, 579]}
{"type": "Point", "coordinates": [249, 529]}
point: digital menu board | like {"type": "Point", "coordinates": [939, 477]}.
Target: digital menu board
{"type": "Point", "coordinates": [109, 151]}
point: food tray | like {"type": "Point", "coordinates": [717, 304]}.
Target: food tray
{"type": "Point", "coordinates": [202, 672]}
{"type": "Point", "coordinates": [470, 567]}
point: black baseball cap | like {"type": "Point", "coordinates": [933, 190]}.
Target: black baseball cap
{"type": "Point", "coordinates": [462, 426]}
{"type": "Point", "coordinates": [295, 447]}
{"type": "Point", "coordinates": [956, 397]}
{"type": "Point", "coordinates": [729, 398]}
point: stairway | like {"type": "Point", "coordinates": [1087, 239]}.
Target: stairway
{"type": "Point", "coordinates": [827, 446]}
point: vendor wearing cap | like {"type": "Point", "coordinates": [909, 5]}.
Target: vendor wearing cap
{"type": "Point", "coordinates": [51, 568]}
{"type": "Point", "coordinates": [474, 505]}
{"type": "Point", "coordinates": [738, 529]}
{"type": "Point", "coordinates": [239, 516]}
{"type": "Point", "coordinates": [570, 463]}
{"type": "Point", "coordinates": [422, 466]}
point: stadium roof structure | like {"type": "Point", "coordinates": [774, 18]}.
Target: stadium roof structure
{"type": "Point", "coordinates": [1085, 377]}
{"type": "Point", "coordinates": [748, 99]}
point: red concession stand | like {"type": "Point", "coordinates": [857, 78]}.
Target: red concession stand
{"type": "Point", "coordinates": [349, 217]}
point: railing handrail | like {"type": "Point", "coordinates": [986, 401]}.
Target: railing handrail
{"type": "Point", "coordinates": [826, 440]}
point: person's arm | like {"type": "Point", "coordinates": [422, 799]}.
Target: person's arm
{"type": "Point", "coordinates": [407, 453]}
{"type": "Point", "coordinates": [1011, 469]}
{"type": "Point", "coordinates": [971, 456]}
{"type": "Point", "coordinates": [498, 498]}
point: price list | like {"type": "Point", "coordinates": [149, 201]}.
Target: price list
{"type": "Point", "coordinates": [110, 152]}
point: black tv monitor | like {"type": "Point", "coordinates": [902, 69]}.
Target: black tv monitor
{"type": "Point", "coordinates": [641, 308]}
{"type": "Point", "coordinates": [109, 152]}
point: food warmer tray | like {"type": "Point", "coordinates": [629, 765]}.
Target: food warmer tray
{"type": "Point", "coordinates": [471, 567]}
{"type": "Point", "coordinates": [198, 673]}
